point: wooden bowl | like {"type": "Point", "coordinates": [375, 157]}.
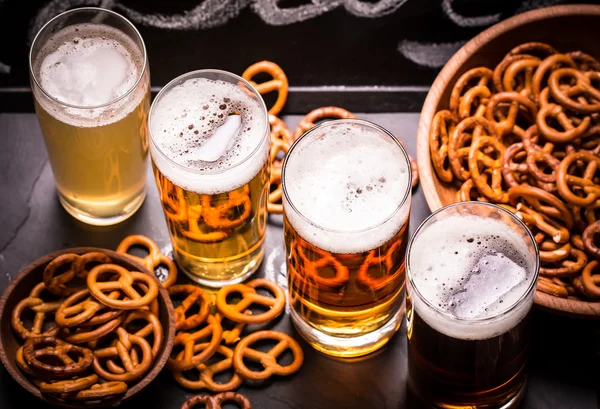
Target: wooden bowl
{"type": "Point", "coordinates": [567, 28]}
{"type": "Point", "coordinates": [19, 288]}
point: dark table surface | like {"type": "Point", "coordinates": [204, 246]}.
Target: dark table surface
{"type": "Point", "coordinates": [564, 365]}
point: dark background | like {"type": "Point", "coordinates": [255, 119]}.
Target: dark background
{"type": "Point", "coordinates": [372, 47]}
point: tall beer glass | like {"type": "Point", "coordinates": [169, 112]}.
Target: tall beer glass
{"type": "Point", "coordinates": [472, 271]}
{"type": "Point", "coordinates": [346, 205]}
{"type": "Point", "coordinates": [210, 145]}
{"type": "Point", "coordinates": [91, 88]}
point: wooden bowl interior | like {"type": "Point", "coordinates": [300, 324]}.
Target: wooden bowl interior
{"type": "Point", "coordinates": [20, 287]}
{"type": "Point", "coordinates": [567, 28]}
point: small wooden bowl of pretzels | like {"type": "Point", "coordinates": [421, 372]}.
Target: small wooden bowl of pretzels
{"type": "Point", "coordinates": [513, 118]}
{"type": "Point", "coordinates": [85, 327]}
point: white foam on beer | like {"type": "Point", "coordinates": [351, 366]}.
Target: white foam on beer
{"type": "Point", "coordinates": [184, 124]}
{"type": "Point", "coordinates": [347, 179]}
{"type": "Point", "coordinates": [89, 65]}
{"type": "Point", "coordinates": [471, 267]}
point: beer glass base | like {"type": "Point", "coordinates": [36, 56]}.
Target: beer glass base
{"type": "Point", "coordinates": [347, 347]}
{"type": "Point", "coordinates": [126, 211]}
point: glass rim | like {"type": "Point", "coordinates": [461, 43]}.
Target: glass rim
{"type": "Point", "coordinates": [363, 122]}
{"type": "Point", "coordinates": [79, 10]}
{"type": "Point", "coordinates": [476, 320]}
{"type": "Point", "coordinates": [197, 74]}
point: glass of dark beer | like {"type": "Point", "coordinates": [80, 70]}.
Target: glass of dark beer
{"type": "Point", "coordinates": [472, 269]}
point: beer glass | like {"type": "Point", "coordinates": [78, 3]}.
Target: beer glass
{"type": "Point", "coordinates": [346, 205]}
{"type": "Point", "coordinates": [472, 272]}
{"type": "Point", "coordinates": [91, 88]}
{"type": "Point", "coordinates": [210, 144]}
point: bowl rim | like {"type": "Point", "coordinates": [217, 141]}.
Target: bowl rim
{"type": "Point", "coordinates": [159, 364]}
{"type": "Point", "coordinates": [453, 65]}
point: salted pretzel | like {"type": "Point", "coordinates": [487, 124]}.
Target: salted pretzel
{"type": "Point", "coordinates": [492, 190]}
{"type": "Point", "coordinates": [279, 82]}
{"type": "Point", "coordinates": [195, 295]}
{"type": "Point", "coordinates": [516, 103]}
{"type": "Point", "coordinates": [189, 360]}
{"type": "Point", "coordinates": [207, 372]}
{"type": "Point", "coordinates": [459, 146]}
{"type": "Point", "coordinates": [215, 402]}
{"type": "Point", "coordinates": [315, 115]}
{"type": "Point", "coordinates": [267, 359]}
{"type": "Point", "coordinates": [41, 310]}
{"type": "Point", "coordinates": [124, 283]}
{"type": "Point", "coordinates": [571, 130]}
{"type": "Point", "coordinates": [154, 258]}
{"type": "Point", "coordinates": [37, 350]}
{"type": "Point", "coordinates": [236, 312]}
{"type": "Point", "coordinates": [546, 66]}
{"type": "Point", "coordinates": [519, 76]}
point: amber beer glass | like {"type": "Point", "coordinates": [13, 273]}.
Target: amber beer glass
{"type": "Point", "coordinates": [346, 206]}
{"type": "Point", "coordinates": [472, 271]}
{"type": "Point", "coordinates": [210, 145]}
{"type": "Point", "coordinates": [91, 87]}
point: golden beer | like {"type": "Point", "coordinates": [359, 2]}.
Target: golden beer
{"type": "Point", "coordinates": [92, 96]}
{"type": "Point", "coordinates": [212, 176]}
{"type": "Point", "coordinates": [346, 207]}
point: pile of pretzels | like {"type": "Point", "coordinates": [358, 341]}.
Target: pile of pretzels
{"type": "Point", "coordinates": [95, 330]}
{"type": "Point", "coordinates": [281, 137]}
{"type": "Point", "coordinates": [526, 135]}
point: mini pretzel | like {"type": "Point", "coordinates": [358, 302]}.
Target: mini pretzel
{"type": "Point", "coordinates": [549, 64]}
{"type": "Point", "coordinates": [570, 131]}
{"type": "Point", "coordinates": [267, 359]}
{"type": "Point", "coordinates": [481, 75]}
{"type": "Point", "coordinates": [68, 386]}
{"type": "Point", "coordinates": [233, 335]}
{"type": "Point", "coordinates": [473, 102]}
{"type": "Point", "coordinates": [554, 229]}
{"type": "Point", "coordinates": [56, 283]}
{"type": "Point", "coordinates": [102, 391]}
{"type": "Point", "coordinates": [195, 296]}
{"type": "Point", "coordinates": [582, 88]}
{"type": "Point", "coordinates": [80, 307]}
{"type": "Point", "coordinates": [275, 188]}
{"type": "Point", "coordinates": [588, 239]}
{"type": "Point", "coordinates": [547, 286]}
{"type": "Point", "coordinates": [533, 46]}
{"type": "Point", "coordinates": [468, 191]}
{"type": "Point", "coordinates": [123, 350]}
{"type": "Point", "coordinates": [315, 115]}
{"type": "Point", "coordinates": [154, 258]}
{"type": "Point", "coordinates": [214, 402]}
{"type": "Point", "coordinates": [492, 190]}
{"type": "Point", "coordinates": [499, 73]}
{"type": "Point", "coordinates": [515, 101]}
{"type": "Point", "coordinates": [525, 68]}
{"type": "Point", "coordinates": [190, 359]}
{"type": "Point", "coordinates": [568, 267]}
{"type": "Point", "coordinates": [553, 208]}
{"type": "Point", "coordinates": [87, 334]}
{"type": "Point", "coordinates": [37, 349]}
{"type": "Point", "coordinates": [553, 252]}
{"type": "Point", "coordinates": [439, 139]}
{"type": "Point", "coordinates": [41, 309]}
{"type": "Point", "coordinates": [279, 82]}
{"type": "Point", "coordinates": [585, 184]}
{"type": "Point", "coordinates": [511, 168]}
{"type": "Point", "coordinates": [591, 281]}
{"type": "Point", "coordinates": [235, 312]}
{"type": "Point", "coordinates": [227, 215]}
{"type": "Point", "coordinates": [208, 372]}
{"type": "Point", "coordinates": [456, 149]}
{"type": "Point", "coordinates": [584, 62]}
{"type": "Point", "coordinates": [125, 282]}
{"type": "Point", "coordinates": [153, 327]}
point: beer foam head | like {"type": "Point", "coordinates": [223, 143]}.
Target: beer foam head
{"type": "Point", "coordinates": [185, 122]}
{"type": "Point", "coordinates": [347, 180]}
{"type": "Point", "coordinates": [89, 65]}
{"type": "Point", "coordinates": [471, 268]}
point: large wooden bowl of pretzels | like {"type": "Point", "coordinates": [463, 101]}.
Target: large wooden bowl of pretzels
{"type": "Point", "coordinates": [513, 118]}
{"type": "Point", "coordinates": [85, 327]}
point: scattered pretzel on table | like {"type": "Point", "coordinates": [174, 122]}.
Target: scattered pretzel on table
{"type": "Point", "coordinates": [215, 402]}
{"type": "Point", "coordinates": [526, 135]}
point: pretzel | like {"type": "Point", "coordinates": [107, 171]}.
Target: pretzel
{"type": "Point", "coordinates": [491, 190]}
{"type": "Point", "coordinates": [457, 152]}
{"type": "Point", "coordinates": [547, 286]}
{"type": "Point", "coordinates": [235, 312]}
{"type": "Point", "coordinates": [570, 131]}
{"type": "Point", "coordinates": [214, 402]}
{"type": "Point", "coordinates": [591, 281]}
{"type": "Point", "coordinates": [510, 166]}
{"type": "Point", "coordinates": [515, 101]}
{"type": "Point", "coordinates": [41, 309]}
{"type": "Point", "coordinates": [87, 334]}
{"type": "Point", "coordinates": [274, 204]}
{"type": "Point", "coordinates": [567, 267]}
{"type": "Point", "coordinates": [154, 258]}
{"type": "Point", "coordinates": [56, 283]}
{"type": "Point", "coordinates": [37, 349]}
{"type": "Point", "coordinates": [279, 82]}
{"type": "Point", "coordinates": [441, 126]}
{"type": "Point", "coordinates": [226, 215]}
{"type": "Point", "coordinates": [280, 131]}
{"type": "Point", "coordinates": [195, 296]}
{"type": "Point", "coordinates": [554, 229]}
{"type": "Point", "coordinates": [553, 252]}
{"type": "Point", "coordinates": [208, 372]}
{"type": "Point", "coordinates": [320, 113]}
{"type": "Point", "coordinates": [124, 283]}
{"type": "Point", "coordinates": [190, 359]}
{"type": "Point", "coordinates": [553, 208]}
{"type": "Point", "coordinates": [233, 335]}
{"type": "Point", "coordinates": [68, 386]}
{"type": "Point", "coordinates": [533, 46]}
{"type": "Point", "coordinates": [588, 239]}
{"type": "Point", "coordinates": [550, 63]}
{"type": "Point", "coordinates": [81, 308]}
{"type": "Point", "coordinates": [102, 391]}
{"type": "Point", "coordinates": [481, 74]}
{"type": "Point", "coordinates": [468, 191]}
{"type": "Point", "coordinates": [516, 69]}
{"type": "Point", "coordinates": [267, 359]}
{"type": "Point", "coordinates": [123, 350]}
{"type": "Point", "coordinates": [583, 87]}
{"type": "Point", "coordinates": [585, 184]}
{"type": "Point", "coordinates": [153, 327]}
{"type": "Point", "coordinates": [584, 62]}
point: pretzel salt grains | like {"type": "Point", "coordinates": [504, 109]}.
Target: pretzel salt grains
{"type": "Point", "coordinates": [154, 258]}
{"type": "Point", "coordinates": [195, 296]}
{"type": "Point", "coordinates": [215, 402]}
{"type": "Point", "coordinates": [267, 359]}
{"type": "Point", "coordinates": [207, 372]}
{"type": "Point", "coordinates": [37, 350]}
{"type": "Point", "coordinates": [124, 283]}
{"type": "Point", "coordinates": [235, 312]}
